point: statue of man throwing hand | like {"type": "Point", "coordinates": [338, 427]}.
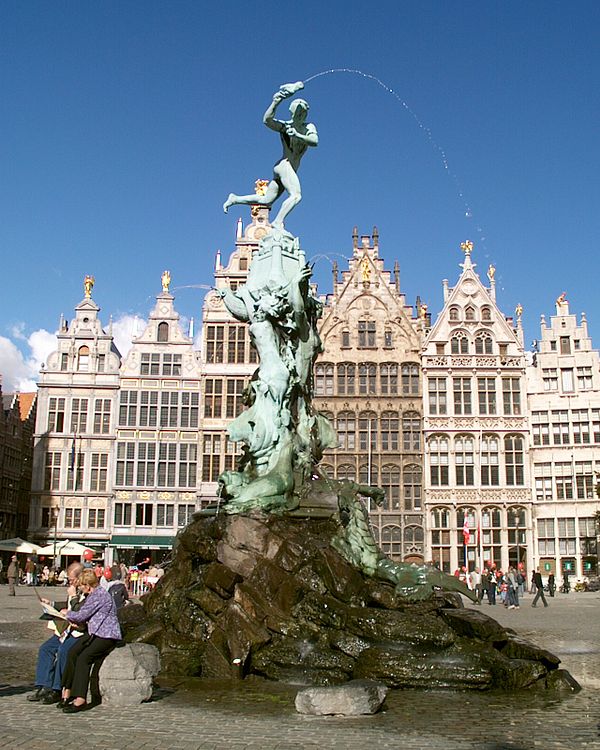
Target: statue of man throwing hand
{"type": "Point", "coordinates": [296, 136]}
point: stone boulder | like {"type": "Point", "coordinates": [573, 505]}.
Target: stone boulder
{"type": "Point", "coordinates": [127, 674]}
{"type": "Point", "coordinates": [355, 698]}
{"type": "Point", "coordinates": [268, 595]}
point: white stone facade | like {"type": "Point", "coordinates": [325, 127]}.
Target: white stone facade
{"type": "Point", "coordinates": [564, 400]}
{"type": "Point", "coordinates": [476, 431]}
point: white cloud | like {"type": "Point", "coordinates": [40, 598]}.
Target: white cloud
{"type": "Point", "coordinates": [20, 366]}
{"type": "Point", "coordinates": [125, 328]}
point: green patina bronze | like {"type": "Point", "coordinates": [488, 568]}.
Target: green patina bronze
{"type": "Point", "coordinates": [296, 136]}
{"type": "Point", "coordinates": [283, 435]}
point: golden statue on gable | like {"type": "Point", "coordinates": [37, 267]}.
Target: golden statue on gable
{"type": "Point", "coordinates": [467, 247]}
{"type": "Point", "coordinates": [165, 280]}
{"type": "Point", "coordinates": [260, 187]}
{"type": "Point", "coordinates": [491, 272]}
{"type": "Point", "coordinates": [365, 269]}
{"type": "Point", "coordinates": [88, 285]}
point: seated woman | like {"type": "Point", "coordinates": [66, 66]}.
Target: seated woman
{"type": "Point", "coordinates": [100, 614]}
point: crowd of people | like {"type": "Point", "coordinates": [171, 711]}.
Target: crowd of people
{"type": "Point", "coordinates": [137, 579]}
{"type": "Point", "coordinates": [507, 587]}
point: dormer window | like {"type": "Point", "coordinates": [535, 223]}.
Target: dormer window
{"type": "Point", "coordinates": [83, 359]}
{"type": "Point", "coordinates": [163, 332]}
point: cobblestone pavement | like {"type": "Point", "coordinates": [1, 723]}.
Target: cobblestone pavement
{"type": "Point", "coordinates": [199, 715]}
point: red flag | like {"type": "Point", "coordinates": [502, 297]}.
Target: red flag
{"type": "Point", "coordinates": [466, 532]}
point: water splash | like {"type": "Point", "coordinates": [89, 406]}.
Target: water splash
{"type": "Point", "coordinates": [468, 211]}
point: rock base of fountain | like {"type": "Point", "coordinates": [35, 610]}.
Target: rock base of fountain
{"type": "Point", "coordinates": [268, 595]}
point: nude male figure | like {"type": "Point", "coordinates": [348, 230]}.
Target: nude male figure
{"type": "Point", "coordinates": [296, 136]}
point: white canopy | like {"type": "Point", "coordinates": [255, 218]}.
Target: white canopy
{"type": "Point", "coordinates": [18, 545]}
{"type": "Point", "coordinates": [63, 547]}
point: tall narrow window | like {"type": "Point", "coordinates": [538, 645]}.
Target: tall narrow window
{"type": "Point", "coordinates": [346, 430]}
{"type": "Point", "coordinates": [83, 359]}
{"type": "Point", "coordinates": [437, 396]}
{"type": "Point", "coordinates": [52, 471]}
{"type": "Point", "coordinates": [102, 416]}
{"type": "Point", "coordinates": [465, 461]}
{"type": "Point", "coordinates": [366, 334]}
{"type": "Point", "coordinates": [513, 457]}
{"type": "Point", "coordinates": [346, 379]}
{"type": "Point", "coordinates": [163, 332]}
{"type": "Point", "coordinates": [411, 432]}
{"type": "Point", "coordinates": [511, 394]}
{"type": "Point", "coordinates": [56, 415]}
{"type": "Point", "coordinates": [439, 460]}
{"type": "Point", "coordinates": [412, 487]}
{"type": "Point", "coordinates": [215, 336]}
{"type": "Point", "coordinates": [486, 390]}
{"type": "Point", "coordinates": [367, 379]}
{"type": "Point", "coordinates": [389, 431]}
{"type": "Point", "coordinates": [410, 379]}
{"type": "Point", "coordinates": [213, 398]}
{"type": "Point", "coordinates": [459, 343]}
{"type": "Point", "coordinates": [388, 374]}
{"type": "Point", "coordinates": [462, 395]}
{"type": "Point", "coordinates": [490, 461]}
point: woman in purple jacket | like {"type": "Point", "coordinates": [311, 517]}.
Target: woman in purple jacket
{"type": "Point", "coordinates": [99, 613]}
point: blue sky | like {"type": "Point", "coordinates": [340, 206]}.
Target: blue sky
{"type": "Point", "coordinates": [126, 124]}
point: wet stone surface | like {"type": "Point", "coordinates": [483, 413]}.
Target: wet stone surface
{"type": "Point", "coordinates": [253, 714]}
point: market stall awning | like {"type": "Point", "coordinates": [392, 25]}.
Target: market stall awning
{"type": "Point", "coordinates": [64, 547]}
{"type": "Point", "coordinates": [18, 545]}
{"type": "Point", "coordinates": [131, 541]}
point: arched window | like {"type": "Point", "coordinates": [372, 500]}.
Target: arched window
{"type": "Point", "coordinates": [483, 344]}
{"type": "Point", "coordinates": [513, 460]}
{"type": "Point", "coordinates": [453, 314]}
{"type": "Point", "coordinates": [410, 379]}
{"type": "Point", "coordinates": [83, 359]}
{"type": "Point", "coordinates": [346, 430]}
{"type": "Point", "coordinates": [388, 374]}
{"type": "Point", "coordinates": [459, 343]}
{"type": "Point", "coordinates": [412, 487]}
{"type": "Point", "coordinates": [389, 431]}
{"type": "Point", "coordinates": [464, 457]}
{"type": "Point", "coordinates": [486, 314]}
{"type": "Point", "coordinates": [470, 313]}
{"type": "Point", "coordinates": [491, 535]}
{"type": "Point", "coordinates": [163, 332]}
{"type": "Point", "coordinates": [367, 379]}
{"type": "Point", "coordinates": [413, 540]}
{"type": "Point", "coordinates": [367, 474]}
{"type": "Point", "coordinates": [517, 534]}
{"type": "Point", "coordinates": [440, 538]}
{"type": "Point", "coordinates": [327, 470]}
{"type": "Point", "coordinates": [367, 431]}
{"type": "Point", "coordinates": [466, 518]}
{"type": "Point", "coordinates": [391, 541]}
{"type": "Point", "coordinates": [390, 482]}
{"type": "Point", "coordinates": [411, 431]}
{"type": "Point", "coordinates": [490, 461]}
{"type": "Point", "coordinates": [438, 460]}
{"type": "Point", "coordinates": [324, 379]}
{"type": "Point", "coordinates": [346, 379]}
{"type": "Point", "coordinates": [346, 471]}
